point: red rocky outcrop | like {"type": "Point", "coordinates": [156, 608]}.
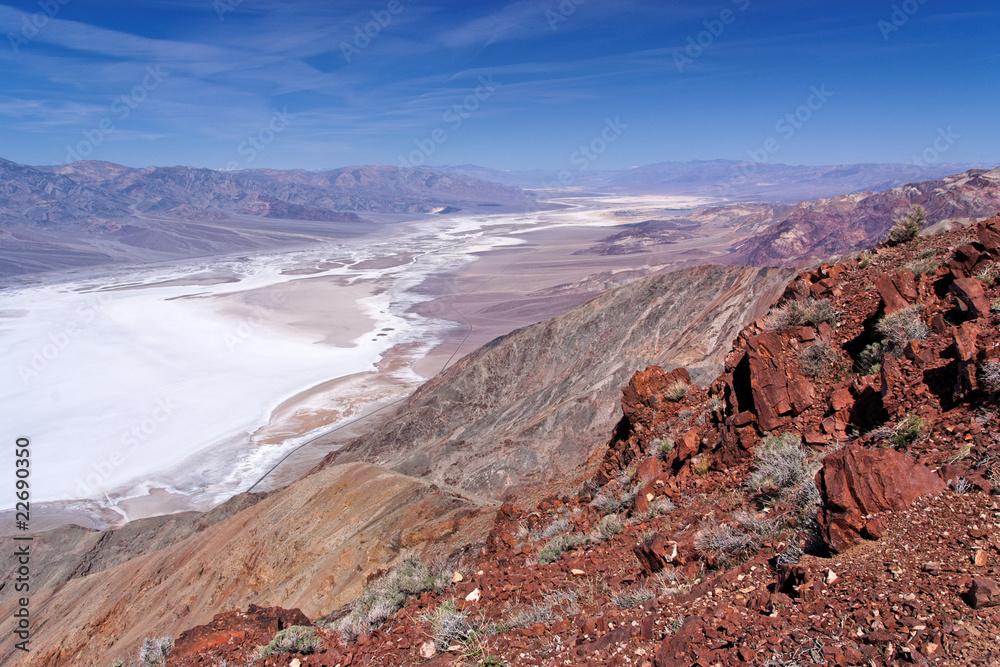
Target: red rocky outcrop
{"type": "Point", "coordinates": [856, 483]}
{"type": "Point", "coordinates": [778, 389]}
{"type": "Point", "coordinates": [255, 626]}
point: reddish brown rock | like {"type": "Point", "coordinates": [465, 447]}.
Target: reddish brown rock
{"type": "Point", "coordinates": [892, 300]}
{"type": "Point", "coordinates": [969, 293]}
{"type": "Point", "coordinates": [988, 232]}
{"type": "Point", "coordinates": [778, 388]}
{"type": "Point", "coordinates": [655, 553]}
{"type": "Point", "coordinates": [255, 625]}
{"type": "Point", "coordinates": [983, 593]}
{"type": "Point", "coordinates": [855, 482]}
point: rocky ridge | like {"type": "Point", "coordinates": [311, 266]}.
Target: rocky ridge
{"type": "Point", "coordinates": [830, 499]}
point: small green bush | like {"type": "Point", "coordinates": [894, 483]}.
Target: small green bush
{"type": "Point", "coordinates": [677, 391]}
{"type": "Point", "coordinates": [555, 548]}
{"type": "Point", "coordinates": [810, 312]}
{"type": "Point", "coordinates": [901, 327]}
{"type": "Point", "coordinates": [632, 598]}
{"type": "Point", "coordinates": [609, 527]}
{"type": "Point", "coordinates": [907, 227]}
{"type": "Point", "coordinates": [780, 462]}
{"type": "Point", "coordinates": [988, 377]}
{"type": "Point", "coordinates": [725, 543]}
{"type": "Point", "coordinates": [661, 448]}
{"type": "Point", "coordinates": [870, 359]}
{"type": "Point", "coordinates": [819, 360]}
{"type": "Point", "coordinates": [388, 594]}
{"type": "Point", "coordinates": [293, 639]}
{"type": "Point", "coordinates": [908, 431]}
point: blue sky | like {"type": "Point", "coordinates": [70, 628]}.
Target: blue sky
{"type": "Point", "coordinates": [512, 85]}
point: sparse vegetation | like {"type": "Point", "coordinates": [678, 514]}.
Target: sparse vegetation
{"type": "Point", "coordinates": [989, 274]}
{"type": "Point", "coordinates": [810, 312]}
{"type": "Point", "coordinates": [870, 359]}
{"type": "Point", "coordinates": [661, 448]}
{"type": "Point", "coordinates": [907, 227]}
{"type": "Point", "coordinates": [294, 639]}
{"type": "Point", "coordinates": [560, 525]}
{"type": "Point", "coordinates": [988, 377]}
{"type": "Point", "coordinates": [388, 594]}
{"type": "Point", "coordinates": [900, 328]}
{"type": "Point", "coordinates": [609, 527]}
{"type": "Point", "coordinates": [819, 360]}
{"type": "Point", "coordinates": [725, 543]}
{"type": "Point", "coordinates": [677, 391]}
{"type": "Point", "coordinates": [555, 548]}
{"type": "Point", "coordinates": [701, 464]}
{"type": "Point", "coordinates": [524, 617]}
{"type": "Point", "coordinates": [963, 485]}
{"type": "Point", "coordinates": [922, 266]}
{"type": "Point", "coordinates": [656, 508]}
{"type": "Point", "coordinates": [155, 650]}
{"type": "Point", "coordinates": [449, 625]}
{"type": "Point", "coordinates": [864, 260]}
{"type": "Point", "coordinates": [780, 462]}
{"type": "Point", "coordinates": [908, 431]}
{"type": "Point", "coordinates": [632, 598]}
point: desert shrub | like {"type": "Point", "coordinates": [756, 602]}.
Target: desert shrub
{"type": "Point", "coordinates": [293, 639]}
{"type": "Point", "coordinates": [714, 404]}
{"type": "Point", "coordinates": [605, 504]}
{"type": "Point", "coordinates": [901, 327]}
{"type": "Point", "coordinates": [907, 227]}
{"type": "Point", "coordinates": [609, 527]}
{"type": "Point", "coordinates": [989, 274]}
{"type": "Point", "coordinates": [988, 377]}
{"type": "Point", "coordinates": [656, 508]}
{"type": "Point", "coordinates": [725, 543]}
{"type": "Point", "coordinates": [864, 260]}
{"type": "Point", "coordinates": [870, 359]}
{"type": "Point", "coordinates": [995, 305]}
{"type": "Point", "coordinates": [908, 431]}
{"type": "Point", "coordinates": [922, 266]}
{"type": "Point", "coordinates": [154, 651]}
{"type": "Point", "coordinates": [449, 625]}
{"type": "Point", "coordinates": [810, 311]}
{"type": "Point", "coordinates": [556, 527]}
{"type": "Point", "coordinates": [701, 464]}
{"type": "Point", "coordinates": [632, 598]}
{"type": "Point", "coordinates": [963, 485]}
{"type": "Point", "coordinates": [525, 617]}
{"type": "Point", "coordinates": [661, 448]}
{"type": "Point", "coordinates": [819, 359]}
{"type": "Point", "coordinates": [551, 552]}
{"type": "Point", "coordinates": [763, 527]}
{"type": "Point", "coordinates": [382, 598]}
{"type": "Point", "coordinates": [779, 461]}
{"type": "Point", "coordinates": [677, 391]}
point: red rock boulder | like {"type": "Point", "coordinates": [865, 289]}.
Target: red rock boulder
{"type": "Point", "coordinates": [856, 482]}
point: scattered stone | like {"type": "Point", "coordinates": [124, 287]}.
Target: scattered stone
{"type": "Point", "coordinates": [983, 593]}
{"type": "Point", "coordinates": [427, 650]}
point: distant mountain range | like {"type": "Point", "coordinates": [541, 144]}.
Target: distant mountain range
{"type": "Point", "coordinates": [724, 179]}
{"type": "Point", "coordinates": [813, 231]}
{"type": "Point", "coordinates": [93, 213]}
